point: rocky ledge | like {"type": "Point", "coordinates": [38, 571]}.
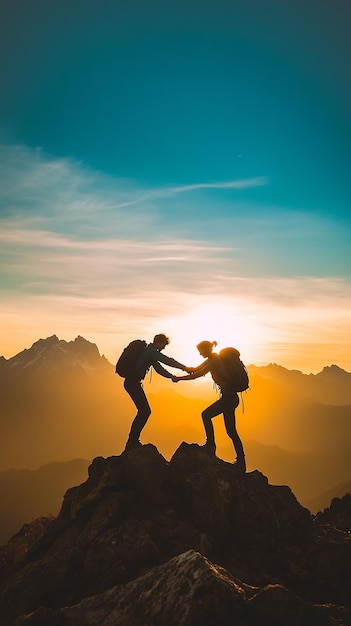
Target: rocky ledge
{"type": "Point", "coordinates": [181, 543]}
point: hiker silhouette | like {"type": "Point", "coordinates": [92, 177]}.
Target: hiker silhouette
{"type": "Point", "coordinates": [226, 404]}
{"type": "Point", "coordinates": [150, 356]}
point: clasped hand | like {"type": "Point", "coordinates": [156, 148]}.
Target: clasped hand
{"type": "Point", "coordinates": [188, 370]}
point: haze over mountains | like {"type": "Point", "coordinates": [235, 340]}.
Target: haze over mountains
{"type": "Point", "coordinates": [26, 494]}
{"type": "Point", "coordinates": [62, 401]}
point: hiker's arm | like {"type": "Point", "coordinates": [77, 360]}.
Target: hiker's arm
{"type": "Point", "coordinates": [198, 367]}
{"type": "Point", "coordinates": [161, 370]}
{"type": "Point", "coordinates": [167, 360]}
{"type": "Point", "coordinates": [199, 371]}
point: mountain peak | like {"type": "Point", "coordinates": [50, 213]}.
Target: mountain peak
{"type": "Point", "coordinates": [54, 354]}
{"type": "Point", "coordinates": [333, 369]}
{"type": "Point", "coordinates": [49, 341]}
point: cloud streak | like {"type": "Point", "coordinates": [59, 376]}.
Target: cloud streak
{"type": "Point", "coordinates": [35, 177]}
{"type": "Point", "coordinates": [165, 192]}
{"type": "Point", "coordinates": [78, 257]}
{"type": "Point", "coordinates": [231, 184]}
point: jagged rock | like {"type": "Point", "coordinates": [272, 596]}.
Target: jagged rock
{"type": "Point", "coordinates": [137, 511]}
{"type": "Point", "coordinates": [338, 514]}
{"type": "Point", "coordinates": [17, 547]}
{"type": "Point", "coordinates": [188, 590]}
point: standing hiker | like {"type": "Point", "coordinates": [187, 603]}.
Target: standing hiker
{"type": "Point", "coordinates": [226, 404]}
{"type": "Point", "coordinates": [147, 356]}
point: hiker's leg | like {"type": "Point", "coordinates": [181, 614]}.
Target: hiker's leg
{"type": "Point", "coordinates": [214, 409]}
{"type": "Point", "coordinates": [137, 394]}
{"type": "Point", "coordinates": [230, 402]}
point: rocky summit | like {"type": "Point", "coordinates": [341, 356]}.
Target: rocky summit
{"type": "Point", "coordinates": [189, 542]}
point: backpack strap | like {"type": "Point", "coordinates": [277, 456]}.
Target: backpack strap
{"type": "Point", "coordinates": [242, 402]}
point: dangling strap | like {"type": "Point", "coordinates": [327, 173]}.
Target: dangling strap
{"type": "Point", "coordinates": [242, 402]}
{"type": "Point", "coordinates": [150, 375]}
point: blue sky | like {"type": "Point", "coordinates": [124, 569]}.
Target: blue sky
{"type": "Point", "coordinates": [177, 165]}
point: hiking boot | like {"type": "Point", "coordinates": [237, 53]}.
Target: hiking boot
{"type": "Point", "coordinates": [210, 448]}
{"type": "Point", "coordinates": [240, 465]}
{"type": "Point", "coordinates": [132, 444]}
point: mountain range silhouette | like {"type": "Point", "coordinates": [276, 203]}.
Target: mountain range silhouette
{"type": "Point", "coordinates": [62, 405]}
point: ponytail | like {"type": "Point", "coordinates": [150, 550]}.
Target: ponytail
{"type": "Point", "coordinates": [207, 346]}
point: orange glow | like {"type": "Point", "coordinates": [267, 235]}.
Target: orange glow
{"type": "Point", "coordinates": [219, 321]}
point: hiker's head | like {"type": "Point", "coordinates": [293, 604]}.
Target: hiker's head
{"type": "Point", "coordinates": [205, 347]}
{"type": "Point", "coordinates": [160, 341]}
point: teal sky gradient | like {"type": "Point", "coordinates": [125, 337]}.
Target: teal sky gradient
{"type": "Point", "coordinates": [220, 129]}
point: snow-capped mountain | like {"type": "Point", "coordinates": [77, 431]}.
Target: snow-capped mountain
{"type": "Point", "coordinates": [56, 354]}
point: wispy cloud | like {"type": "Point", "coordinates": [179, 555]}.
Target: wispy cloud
{"type": "Point", "coordinates": [263, 323]}
{"type": "Point", "coordinates": [231, 184]}
{"type": "Point", "coordinates": [163, 192]}
{"type": "Point", "coordinates": [33, 181]}
{"type": "Point", "coordinates": [82, 253]}
{"type": "Point", "coordinates": [47, 239]}
{"type": "Point", "coordinates": [39, 260]}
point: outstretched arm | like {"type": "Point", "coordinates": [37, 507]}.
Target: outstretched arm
{"type": "Point", "coordinates": [168, 360]}
{"type": "Point", "coordinates": [161, 370]}
{"type": "Point", "coordinates": [198, 368]}
{"type": "Point", "coordinates": [198, 371]}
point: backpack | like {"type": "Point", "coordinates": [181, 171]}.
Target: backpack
{"type": "Point", "coordinates": [126, 364]}
{"type": "Point", "coordinates": [236, 372]}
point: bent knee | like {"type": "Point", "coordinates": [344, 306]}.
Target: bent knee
{"type": "Point", "coordinates": [147, 411]}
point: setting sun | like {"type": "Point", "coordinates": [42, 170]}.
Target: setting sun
{"type": "Point", "coordinates": [229, 323]}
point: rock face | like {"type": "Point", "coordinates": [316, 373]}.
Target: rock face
{"type": "Point", "coordinates": [57, 355]}
{"type": "Point", "coordinates": [191, 541]}
{"type": "Point", "coordinates": [187, 591]}
{"type": "Point", "coordinates": [338, 514]}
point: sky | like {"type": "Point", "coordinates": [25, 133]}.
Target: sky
{"type": "Point", "coordinates": [178, 167]}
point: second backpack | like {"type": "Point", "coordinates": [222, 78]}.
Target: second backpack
{"type": "Point", "coordinates": [237, 372]}
{"type": "Point", "coordinates": [126, 364]}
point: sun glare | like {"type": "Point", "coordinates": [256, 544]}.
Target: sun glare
{"type": "Point", "coordinates": [219, 322]}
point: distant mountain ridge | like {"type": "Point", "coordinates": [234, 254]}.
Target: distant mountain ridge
{"type": "Point", "coordinates": [27, 494]}
{"type": "Point", "coordinates": [331, 385]}
{"type": "Point", "coordinates": [81, 350]}
{"type": "Point", "coordinates": [55, 353]}
{"type": "Point", "coordinates": [62, 400]}
{"type": "Point", "coordinates": [322, 501]}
